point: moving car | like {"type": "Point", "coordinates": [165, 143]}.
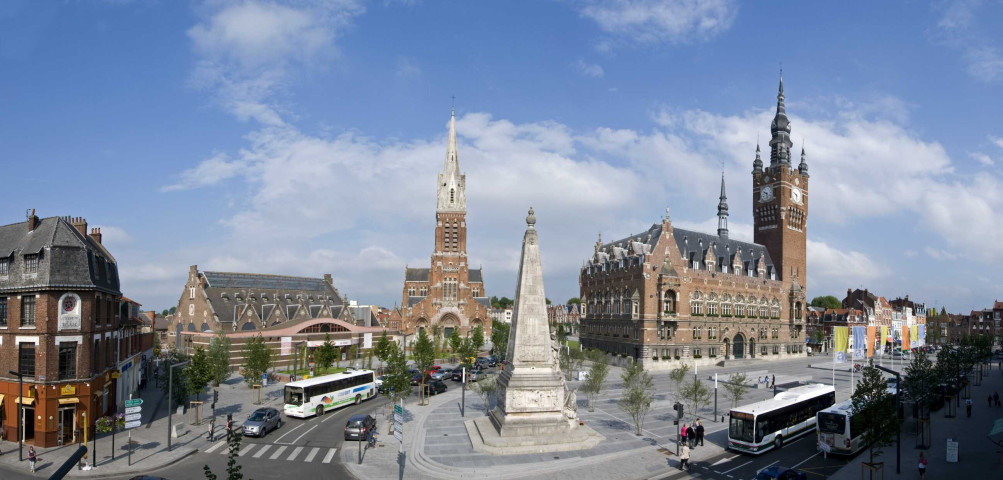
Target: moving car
{"type": "Point", "coordinates": [475, 375]}
{"type": "Point", "coordinates": [777, 472]}
{"type": "Point", "coordinates": [436, 387]}
{"type": "Point", "coordinates": [442, 374]}
{"type": "Point", "coordinates": [379, 383]}
{"type": "Point", "coordinates": [359, 426]}
{"type": "Point", "coordinates": [416, 378]}
{"type": "Point", "coordinates": [261, 422]}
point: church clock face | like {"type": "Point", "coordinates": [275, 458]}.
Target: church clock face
{"type": "Point", "coordinates": [766, 193]}
{"type": "Point", "coordinates": [796, 195]}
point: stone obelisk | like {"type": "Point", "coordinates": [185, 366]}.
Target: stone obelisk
{"type": "Point", "coordinates": [535, 411]}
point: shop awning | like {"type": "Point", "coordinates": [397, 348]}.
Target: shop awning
{"type": "Point", "coordinates": [27, 401]}
{"type": "Point", "coordinates": [65, 401]}
{"type": "Point", "coordinates": [1, 399]}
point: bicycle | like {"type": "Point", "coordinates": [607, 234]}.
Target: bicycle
{"type": "Point", "coordinates": [371, 441]}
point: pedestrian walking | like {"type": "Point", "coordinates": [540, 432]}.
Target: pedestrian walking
{"type": "Point", "coordinates": [682, 434]}
{"type": "Point", "coordinates": [699, 432]}
{"type": "Point", "coordinates": [684, 457]}
{"type": "Point", "coordinates": [229, 427]}
{"type": "Point", "coordinates": [968, 407]}
{"type": "Point", "coordinates": [32, 458]}
{"type": "Point", "coordinates": [996, 398]}
{"type": "Point", "coordinates": [990, 401]}
{"type": "Point", "coordinates": [212, 427]}
{"type": "Point", "coordinates": [774, 382]}
{"type": "Point", "coordinates": [922, 466]}
{"type": "Point", "coordinates": [691, 435]}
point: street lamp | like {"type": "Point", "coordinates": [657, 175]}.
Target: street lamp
{"type": "Point", "coordinates": [170, 398]}
{"type": "Point", "coordinates": [20, 408]}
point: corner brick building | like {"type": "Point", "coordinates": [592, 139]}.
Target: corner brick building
{"type": "Point", "coordinates": [669, 295]}
{"type": "Point", "coordinates": [449, 293]}
{"type": "Point", "coordinates": [59, 304]}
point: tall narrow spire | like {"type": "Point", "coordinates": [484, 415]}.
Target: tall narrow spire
{"type": "Point", "coordinates": [757, 165]}
{"type": "Point", "coordinates": [722, 212]}
{"type": "Point", "coordinates": [803, 167]}
{"type": "Point", "coordinates": [780, 144]}
{"type": "Point", "coordinates": [452, 184]}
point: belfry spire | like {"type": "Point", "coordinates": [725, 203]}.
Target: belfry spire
{"type": "Point", "coordinates": [803, 167]}
{"type": "Point", "coordinates": [757, 165]}
{"type": "Point", "coordinates": [452, 184]}
{"type": "Point", "coordinates": [780, 144]}
{"type": "Point", "coordinates": [722, 212]}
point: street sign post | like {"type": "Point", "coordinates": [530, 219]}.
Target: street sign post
{"type": "Point", "coordinates": [134, 402]}
{"type": "Point", "coordinates": [399, 435]}
{"type": "Point", "coordinates": [399, 409]}
{"type": "Point", "coordinates": [133, 417]}
{"type": "Point", "coordinates": [132, 424]}
{"type": "Point", "coordinates": [129, 410]}
{"type": "Point", "coordinates": [398, 418]}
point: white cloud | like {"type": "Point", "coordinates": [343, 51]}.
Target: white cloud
{"type": "Point", "coordinates": [207, 173]}
{"type": "Point", "coordinates": [407, 68]}
{"type": "Point", "coordinates": [938, 254]}
{"type": "Point", "coordinates": [982, 158]}
{"type": "Point", "coordinates": [661, 21]}
{"type": "Point", "coordinates": [589, 69]}
{"type": "Point", "coordinates": [996, 141]}
{"type": "Point", "coordinates": [847, 267]}
{"type": "Point", "coordinates": [965, 25]}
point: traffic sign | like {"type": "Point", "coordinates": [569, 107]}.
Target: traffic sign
{"type": "Point", "coordinates": [131, 417]}
{"type": "Point", "coordinates": [398, 428]}
{"type": "Point", "coordinates": [134, 424]}
{"type": "Point", "coordinates": [398, 418]}
{"type": "Point", "coordinates": [399, 435]}
{"type": "Point", "coordinates": [134, 402]}
{"type": "Point", "coordinates": [399, 409]}
{"type": "Point", "coordinates": [129, 410]}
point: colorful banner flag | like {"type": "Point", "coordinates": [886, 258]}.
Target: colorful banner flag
{"type": "Point", "coordinates": [914, 335]}
{"type": "Point", "coordinates": [921, 330]}
{"type": "Point", "coordinates": [871, 332]}
{"type": "Point", "coordinates": [905, 338]}
{"type": "Point", "coordinates": [842, 338]}
{"type": "Point", "coordinates": [859, 342]}
{"type": "Point", "coordinates": [884, 335]}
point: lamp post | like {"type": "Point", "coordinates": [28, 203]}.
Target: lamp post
{"type": "Point", "coordinates": [170, 398]}
{"type": "Point", "coordinates": [20, 406]}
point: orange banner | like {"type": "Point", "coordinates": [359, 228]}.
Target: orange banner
{"type": "Point", "coordinates": [905, 337]}
{"type": "Point", "coordinates": [871, 332]}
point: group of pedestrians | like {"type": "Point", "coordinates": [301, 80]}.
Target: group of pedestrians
{"type": "Point", "coordinates": [994, 399]}
{"type": "Point", "coordinates": [768, 380]}
{"type": "Point", "coordinates": [689, 436]}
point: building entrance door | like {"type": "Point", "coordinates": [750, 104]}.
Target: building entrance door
{"type": "Point", "coordinates": [738, 347]}
{"type": "Point", "coordinates": [28, 423]}
{"type": "Point", "coordinates": [67, 424]}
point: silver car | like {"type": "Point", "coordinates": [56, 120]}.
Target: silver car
{"type": "Point", "coordinates": [262, 421]}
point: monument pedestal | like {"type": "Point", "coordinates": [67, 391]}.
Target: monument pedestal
{"type": "Point", "coordinates": [485, 439]}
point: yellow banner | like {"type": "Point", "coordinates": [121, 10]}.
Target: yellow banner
{"type": "Point", "coordinates": [884, 335]}
{"type": "Point", "coordinates": [914, 334]}
{"type": "Point", "coordinates": [905, 337]}
{"type": "Point", "coordinates": [842, 338]}
{"type": "Point", "coordinates": [871, 332]}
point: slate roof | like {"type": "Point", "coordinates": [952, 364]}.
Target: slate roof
{"type": "Point", "coordinates": [483, 301]}
{"type": "Point", "coordinates": [412, 301]}
{"type": "Point", "coordinates": [231, 293]}
{"type": "Point", "coordinates": [475, 276]}
{"type": "Point", "coordinates": [416, 275]}
{"type": "Point", "coordinates": [67, 259]}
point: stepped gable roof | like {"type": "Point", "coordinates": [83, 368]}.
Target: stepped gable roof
{"type": "Point", "coordinates": [692, 241]}
{"type": "Point", "coordinates": [68, 259]}
{"type": "Point", "coordinates": [231, 293]}
{"type": "Point", "coordinates": [416, 275]}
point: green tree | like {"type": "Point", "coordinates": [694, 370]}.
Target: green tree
{"type": "Point", "coordinates": [818, 335]}
{"type": "Point", "coordinates": [353, 351]}
{"type": "Point", "coordinates": [576, 358]}
{"type": "Point", "coordinates": [875, 407]}
{"type": "Point", "coordinates": [181, 388]}
{"type": "Point", "coordinates": [437, 339]}
{"type": "Point", "coordinates": [499, 338]}
{"type": "Point", "coordinates": [382, 349]}
{"type": "Point", "coordinates": [477, 338]}
{"type": "Point", "coordinates": [398, 380]}
{"type": "Point", "coordinates": [172, 311]}
{"type": "Point", "coordinates": [561, 334]}
{"type": "Point", "coordinates": [424, 353]}
{"type": "Point", "coordinates": [696, 395]}
{"type": "Point", "coordinates": [574, 301]}
{"type": "Point", "coordinates": [827, 301]}
{"type": "Point", "coordinates": [454, 341]}
{"type": "Point", "coordinates": [232, 469]}
{"type": "Point", "coordinates": [736, 387]}
{"type": "Point", "coordinates": [258, 360]}
{"type": "Point", "coordinates": [546, 300]}
{"type": "Point", "coordinates": [678, 376]}
{"type": "Point", "coordinates": [325, 354]}
{"type": "Point", "coordinates": [166, 312]}
{"type": "Point", "coordinates": [596, 380]}
{"type": "Point", "coordinates": [919, 382]}
{"type": "Point", "coordinates": [219, 357]}
{"type": "Point", "coordinates": [200, 372]}
{"type": "Point", "coordinates": [466, 352]}
{"type": "Point", "coordinates": [638, 393]}
{"type": "Point", "coordinates": [369, 358]}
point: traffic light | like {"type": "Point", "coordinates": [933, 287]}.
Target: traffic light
{"type": "Point", "coordinates": [215, 398]}
{"type": "Point", "coordinates": [678, 407]}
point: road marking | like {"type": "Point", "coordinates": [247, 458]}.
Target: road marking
{"type": "Point", "coordinates": [290, 431]}
{"type": "Point", "coordinates": [262, 451]}
{"type": "Point", "coordinates": [330, 455]}
{"type": "Point", "coordinates": [624, 421]}
{"type": "Point", "coordinates": [277, 453]}
{"type": "Point", "coordinates": [245, 449]}
{"type": "Point", "coordinates": [805, 460]}
{"type": "Point", "coordinates": [304, 433]}
{"type": "Point", "coordinates": [215, 446]}
{"type": "Point", "coordinates": [772, 464]}
{"type": "Point", "coordinates": [736, 468]}
{"type": "Point", "coordinates": [313, 453]}
{"type": "Point", "coordinates": [724, 460]}
{"type": "Point", "coordinates": [292, 456]}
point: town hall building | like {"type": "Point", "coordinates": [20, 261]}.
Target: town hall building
{"type": "Point", "coordinates": [668, 295]}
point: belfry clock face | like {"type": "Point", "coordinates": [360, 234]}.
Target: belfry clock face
{"type": "Point", "coordinates": [766, 193]}
{"type": "Point", "coordinates": [796, 195]}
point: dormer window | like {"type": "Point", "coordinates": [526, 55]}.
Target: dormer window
{"type": "Point", "coordinates": [4, 265]}
{"type": "Point", "coordinates": [31, 263]}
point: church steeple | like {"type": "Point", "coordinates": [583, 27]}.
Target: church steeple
{"type": "Point", "coordinates": [803, 167]}
{"type": "Point", "coordinates": [452, 184]}
{"type": "Point", "coordinates": [722, 212]}
{"type": "Point", "coordinates": [780, 144]}
{"type": "Point", "coordinates": [757, 165]}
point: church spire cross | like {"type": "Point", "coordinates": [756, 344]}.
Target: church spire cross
{"type": "Point", "coordinates": [451, 186]}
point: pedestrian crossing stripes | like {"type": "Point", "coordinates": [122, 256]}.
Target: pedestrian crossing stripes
{"type": "Point", "coordinates": [257, 450]}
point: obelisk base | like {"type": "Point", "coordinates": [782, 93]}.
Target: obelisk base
{"type": "Point", "coordinates": [484, 438]}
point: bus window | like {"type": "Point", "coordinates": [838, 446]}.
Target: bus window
{"type": "Point", "coordinates": [740, 428]}
{"type": "Point", "coordinates": [762, 427]}
{"type": "Point", "coordinates": [294, 396]}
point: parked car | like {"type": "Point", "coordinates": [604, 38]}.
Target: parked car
{"type": "Point", "coordinates": [475, 375]}
{"type": "Point", "coordinates": [416, 378]}
{"type": "Point", "coordinates": [379, 383]}
{"type": "Point", "coordinates": [457, 374]}
{"type": "Point", "coordinates": [777, 472]}
{"type": "Point", "coordinates": [359, 426]}
{"type": "Point", "coordinates": [436, 387]}
{"type": "Point", "coordinates": [492, 360]}
{"type": "Point", "coordinates": [261, 422]}
{"type": "Point", "coordinates": [442, 374]}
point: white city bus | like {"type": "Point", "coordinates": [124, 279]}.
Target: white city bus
{"type": "Point", "coordinates": [761, 426]}
{"type": "Point", "coordinates": [838, 428]}
{"type": "Point", "coordinates": [314, 396]}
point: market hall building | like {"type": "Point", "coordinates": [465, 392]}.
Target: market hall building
{"type": "Point", "coordinates": [668, 296]}
{"type": "Point", "coordinates": [59, 298]}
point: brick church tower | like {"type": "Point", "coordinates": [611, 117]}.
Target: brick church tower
{"type": "Point", "coordinates": [780, 202]}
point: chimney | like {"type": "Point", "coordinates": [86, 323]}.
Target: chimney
{"type": "Point", "coordinates": [96, 235]}
{"type": "Point", "coordinates": [849, 292]}
{"type": "Point", "coordinates": [328, 279]}
{"type": "Point", "coordinates": [32, 221]}
{"type": "Point", "coordinates": [80, 224]}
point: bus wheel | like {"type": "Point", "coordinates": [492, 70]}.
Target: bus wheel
{"type": "Point", "coordinates": [778, 442]}
{"type": "Point", "coordinates": [358, 399]}
{"type": "Point", "coordinates": [320, 410]}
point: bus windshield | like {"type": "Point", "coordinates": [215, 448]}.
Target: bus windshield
{"type": "Point", "coordinates": [831, 422]}
{"type": "Point", "coordinates": [294, 396]}
{"type": "Point", "coordinates": [740, 428]}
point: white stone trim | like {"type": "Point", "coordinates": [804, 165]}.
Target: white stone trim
{"type": "Point", "coordinates": [26, 339]}
{"type": "Point", "coordinates": [69, 338]}
{"type": "Point", "coordinates": [107, 335]}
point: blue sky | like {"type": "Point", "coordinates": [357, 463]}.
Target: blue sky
{"type": "Point", "coordinates": [304, 137]}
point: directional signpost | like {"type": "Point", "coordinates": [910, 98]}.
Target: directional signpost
{"type": "Point", "coordinates": [398, 423]}
{"type": "Point", "coordinates": [133, 419]}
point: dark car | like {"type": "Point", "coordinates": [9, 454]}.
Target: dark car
{"type": "Point", "coordinates": [481, 362]}
{"type": "Point", "coordinates": [380, 380]}
{"type": "Point", "coordinates": [261, 421]}
{"type": "Point", "coordinates": [359, 426]}
{"type": "Point", "coordinates": [416, 378]}
{"type": "Point", "coordinates": [777, 472]}
{"type": "Point", "coordinates": [492, 360]}
{"type": "Point", "coordinates": [436, 387]}
{"type": "Point", "coordinates": [457, 375]}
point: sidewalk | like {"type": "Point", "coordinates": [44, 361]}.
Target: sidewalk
{"type": "Point", "coordinates": [149, 440]}
{"type": "Point", "coordinates": [977, 456]}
